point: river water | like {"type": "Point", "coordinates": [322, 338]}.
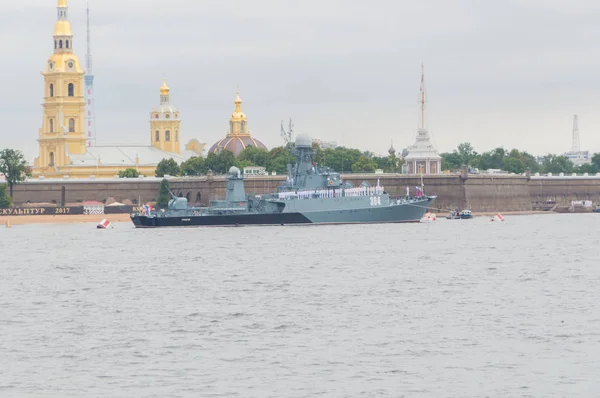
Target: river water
{"type": "Point", "coordinates": [462, 308]}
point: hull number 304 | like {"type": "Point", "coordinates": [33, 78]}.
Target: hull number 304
{"type": "Point", "coordinates": [375, 200]}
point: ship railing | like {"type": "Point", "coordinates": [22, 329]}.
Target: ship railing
{"type": "Point", "coordinates": [331, 193]}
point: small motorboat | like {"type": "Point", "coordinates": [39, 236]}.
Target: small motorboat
{"type": "Point", "coordinates": [466, 214]}
{"type": "Point", "coordinates": [462, 215]}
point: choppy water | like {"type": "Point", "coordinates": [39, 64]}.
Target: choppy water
{"type": "Point", "coordinates": [449, 309]}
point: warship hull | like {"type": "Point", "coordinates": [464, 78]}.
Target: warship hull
{"type": "Point", "coordinates": [402, 213]}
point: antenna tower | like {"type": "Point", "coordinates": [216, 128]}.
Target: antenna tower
{"type": "Point", "coordinates": [287, 135]}
{"type": "Point", "coordinates": [575, 145]}
{"type": "Point", "coordinates": [90, 116]}
{"type": "Point", "coordinates": [422, 99]}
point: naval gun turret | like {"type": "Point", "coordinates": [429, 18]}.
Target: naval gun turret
{"type": "Point", "coordinates": [177, 203]}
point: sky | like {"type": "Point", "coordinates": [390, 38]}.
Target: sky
{"type": "Point", "coordinates": [510, 73]}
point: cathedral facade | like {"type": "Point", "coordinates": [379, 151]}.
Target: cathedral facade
{"type": "Point", "coordinates": [62, 138]}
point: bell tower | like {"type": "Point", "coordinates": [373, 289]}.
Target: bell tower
{"type": "Point", "coordinates": [165, 123]}
{"type": "Point", "coordinates": [63, 123]}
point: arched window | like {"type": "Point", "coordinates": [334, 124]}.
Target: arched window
{"type": "Point", "coordinates": [67, 43]}
{"type": "Point", "coordinates": [55, 44]}
{"type": "Point", "coordinates": [71, 125]}
{"type": "Point", "coordinates": [176, 136]}
{"type": "Point", "coordinates": [243, 127]}
{"type": "Point", "coordinates": [60, 44]}
{"type": "Point", "coordinates": [188, 196]}
{"type": "Point", "coordinates": [167, 135]}
{"type": "Point", "coordinates": [157, 136]}
{"type": "Point", "coordinates": [51, 125]}
{"type": "Point", "coordinates": [51, 90]}
{"type": "Point", "coordinates": [198, 197]}
{"type": "Point", "coordinates": [71, 90]}
{"type": "Point", "coordinates": [51, 163]}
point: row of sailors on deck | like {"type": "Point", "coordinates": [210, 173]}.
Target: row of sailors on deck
{"type": "Point", "coordinates": [332, 193]}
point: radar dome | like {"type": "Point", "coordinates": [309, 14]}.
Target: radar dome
{"type": "Point", "coordinates": [303, 140]}
{"type": "Point", "coordinates": [234, 171]}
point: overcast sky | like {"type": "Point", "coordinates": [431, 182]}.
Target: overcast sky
{"type": "Point", "coordinates": [508, 73]}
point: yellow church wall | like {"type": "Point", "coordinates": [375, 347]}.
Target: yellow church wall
{"type": "Point", "coordinates": [100, 171]}
{"type": "Point", "coordinates": [162, 127]}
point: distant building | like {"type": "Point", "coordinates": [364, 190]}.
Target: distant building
{"type": "Point", "coordinates": [325, 144]}
{"type": "Point", "coordinates": [579, 158]}
{"type": "Point", "coordinates": [239, 136]}
{"type": "Point", "coordinates": [422, 157]}
{"type": "Point", "coordinates": [576, 155]}
{"type": "Point", "coordinates": [255, 171]}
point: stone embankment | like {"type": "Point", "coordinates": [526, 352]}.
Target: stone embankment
{"type": "Point", "coordinates": [487, 193]}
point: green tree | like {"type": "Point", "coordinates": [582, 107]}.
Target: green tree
{"type": "Point", "coordinates": [451, 161]}
{"type": "Point", "coordinates": [14, 167]}
{"type": "Point", "coordinates": [279, 158]}
{"type": "Point", "coordinates": [5, 200]}
{"type": "Point", "coordinates": [364, 164]}
{"type": "Point", "coordinates": [164, 195]}
{"type": "Point", "coordinates": [129, 173]}
{"type": "Point", "coordinates": [586, 168]}
{"type": "Point", "coordinates": [466, 154]}
{"type": "Point", "coordinates": [341, 159]}
{"type": "Point", "coordinates": [255, 156]}
{"type": "Point", "coordinates": [596, 161]}
{"type": "Point", "coordinates": [194, 166]}
{"type": "Point", "coordinates": [557, 164]}
{"type": "Point", "coordinates": [167, 167]}
{"type": "Point", "coordinates": [220, 162]}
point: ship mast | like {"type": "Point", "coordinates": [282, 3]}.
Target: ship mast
{"type": "Point", "coordinates": [422, 96]}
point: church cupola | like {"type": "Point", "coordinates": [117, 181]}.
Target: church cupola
{"type": "Point", "coordinates": [164, 93]}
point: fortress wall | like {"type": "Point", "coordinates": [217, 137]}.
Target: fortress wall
{"type": "Point", "coordinates": [497, 193]}
{"type": "Point", "coordinates": [478, 193]}
{"type": "Point", "coordinates": [564, 189]}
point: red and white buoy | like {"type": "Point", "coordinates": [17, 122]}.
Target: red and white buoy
{"type": "Point", "coordinates": [428, 217]}
{"type": "Point", "coordinates": [104, 224]}
{"type": "Point", "coordinates": [497, 217]}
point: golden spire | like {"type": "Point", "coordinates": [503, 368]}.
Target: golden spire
{"type": "Point", "coordinates": [62, 27]}
{"type": "Point", "coordinates": [164, 89]}
{"type": "Point", "coordinates": [422, 96]}
{"type": "Point", "coordinates": [238, 102]}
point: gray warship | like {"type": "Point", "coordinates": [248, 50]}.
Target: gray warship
{"type": "Point", "coordinates": [311, 194]}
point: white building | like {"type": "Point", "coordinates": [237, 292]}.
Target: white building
{"type": "Point", "coordinates": [422, 157]}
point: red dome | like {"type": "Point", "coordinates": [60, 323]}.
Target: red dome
{"type": "Point", "coordinates": [236, 144]}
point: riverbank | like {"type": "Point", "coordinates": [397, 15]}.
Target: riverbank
{"type": "Point", "coordinates": [84, 218]}
{"type": "Point", "coordinates": [63, 219]}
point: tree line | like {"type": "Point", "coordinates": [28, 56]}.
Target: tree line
{"type": "Point", "coordinates": [513, 161]}
{"type": "Point", "coordinates": [340, 159]}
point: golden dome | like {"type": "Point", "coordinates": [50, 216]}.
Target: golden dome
{"type": "Point", "coordinates": [62, 28]}
{"type": "Point", "coordinates": [62, 3]}
{"type": "Point", "coordinates": [164, 89]}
